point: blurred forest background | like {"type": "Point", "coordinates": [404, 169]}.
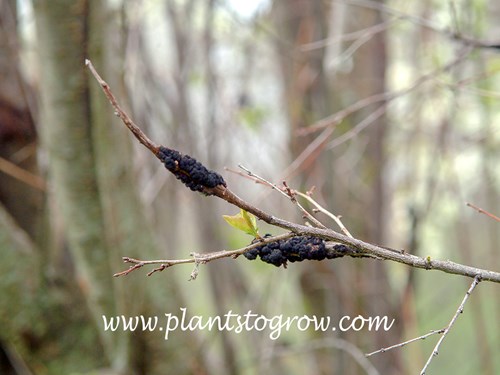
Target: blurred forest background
{"type": "Point", "coordinates": [390, 109]}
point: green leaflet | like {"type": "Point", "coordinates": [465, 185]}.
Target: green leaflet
{"type": "Point", "coordinates": [243, 221]}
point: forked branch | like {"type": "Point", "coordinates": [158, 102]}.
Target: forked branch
{"type": "Point", "coordinates": [443, 331]}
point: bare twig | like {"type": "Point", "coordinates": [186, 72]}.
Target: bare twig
{"type": "Point", "coordinates": [400, 345]}
{"type": "Point", "coordinates": [307, 196]}
{"type": "Point", "coordinates": [22, 175]}
{"type": "Point", "coordinates": [384, 97]}
{"type": "Point", "coordinates": [328, 124]}
{"type": "Point", "coordinates": [326, 212]}
{"type": "Point", "coordinates": [460, 310]}
{"type": "Point", "coordinates": [287, 192]}
{"type": "Point", "coordinates": [481, 211]}
{"type": "Point", "coordinates": [358, 34]}
{"type": "Point", "coordinates": [443, 331]}
{"type": "Point", "coordinates": [263, 180]}
{"type": "Point", "coordinates": [197, 258]}
{"type": "Point", "coordinates": [467, 41]}
{"type": "Point", "coordinates": [360, 126]}
{"type": "Point", "coordinates": [202, 258]}
{"type": "Point", "coordinates": [150, 145]}
{"type": "Point", "coordinates": [245, 175]}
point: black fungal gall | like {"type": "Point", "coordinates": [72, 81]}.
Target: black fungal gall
{"type": "Point", "coordinates": [295, 249]}
{"type": "Point", "coordinates": [191, 172]}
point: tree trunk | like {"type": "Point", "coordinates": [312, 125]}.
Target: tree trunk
{"type": "Point", "coordinates": [66, 130]}
{"type": "Point", "coordinates": [367, 188]}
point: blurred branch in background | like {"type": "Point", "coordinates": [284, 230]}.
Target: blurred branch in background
{"type": "Point", "coordinates": [22, 175]}
{"type": "Point", "coordinates": [480, 210]}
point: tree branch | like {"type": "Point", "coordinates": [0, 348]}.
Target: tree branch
{"type": "Point", "coordinates": [326, 212]}
{"type": "Point", "coordinates": [197, 257]}
{"type": "Point", "coordinates": [22, 175]}
{"type": "Point", "coordinates": [202, 258]}
{"type": "Point", "coordinates": [141, 137]}
{"type": "Point", "coordinates": [327, 234]}
{"type": "Point", "coordinates": [443, 331]}
{"type": "Point", "coordinates": [460, 310]}
{"type": "Point", "coordinates": [287, 193]}
{"type": "Point", "coordinates": [401, 344]}
{"type": "Point", "coordinates": [481, 211]}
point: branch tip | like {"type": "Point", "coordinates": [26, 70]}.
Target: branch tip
{"type": "Point", "coordinates": [127, 121]}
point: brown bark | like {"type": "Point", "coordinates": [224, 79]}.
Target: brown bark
{"type": "Point", "coordinates": [367, 78]}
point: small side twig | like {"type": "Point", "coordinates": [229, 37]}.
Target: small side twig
{"type": "Point", "coordinates": [287, 192]}
{"type": "Point", "coordinates": [481, 211]}
{"type": "Point", "coordinates": [157, 269]}
{"type": "Point", "coordinates": [138, 263]}
{"type": "Point", "coordinates": [326, 212]}
{"type": "Point", "coordinates": [400, 345]}
{"type": "Point", "coordinates": [460, 310]}
{"type": "Point", "coordinates": [291, 193]}
{"type": "Point", "coordinates": [197, 258]}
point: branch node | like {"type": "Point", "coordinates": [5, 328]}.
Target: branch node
{"type": "Point", "coordinates": [158, 269]}
{"type": "Point", "coordinates": [131, 269]}
{"type": "Point", "coordinates": [289, 192]}
{"type": "Point", "coordinates": [428, 263]}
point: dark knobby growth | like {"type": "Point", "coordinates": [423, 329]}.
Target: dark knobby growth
{"type": "Point", "coordinates": [191, 172]}
{"type": "Point", "coordinates": [295, 249]}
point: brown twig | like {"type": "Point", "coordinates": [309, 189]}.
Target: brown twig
{"type": "Point", "coordinates": [467, 41]}
{"type": "Point", "coordinates": [481, 211]}
{"type": "Point", "coordinates": [22, 175]}
{"type": "Point", "coordinates": [203, 258]}
{"type": "Point", "coordinates": [328, 124]}
{"type": "Point", "coordinates": [197, 258]}
{"type": "Point", "coordinates": [384, 97]}
{"type": "Point", "coordinates": [287, 192]}
{"type": "Point", "coordinates": [150, 145]}
{"type": "Point", "coordinates": [326, 212]}
{"type": "Point", "coordinates": [290, 192]}
{"type": "Point", "coordinates": [353, 36]}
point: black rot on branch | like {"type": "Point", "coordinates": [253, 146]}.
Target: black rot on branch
{"type": "Point", "coordinates": [189, 171]}
{"type": "Point", "coordinates": [295, 249]}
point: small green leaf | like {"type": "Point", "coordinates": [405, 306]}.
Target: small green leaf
{"type": "Point", "coordinates": [250, 220]}
{"type": "Point", "coordinates": [243, 221]}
